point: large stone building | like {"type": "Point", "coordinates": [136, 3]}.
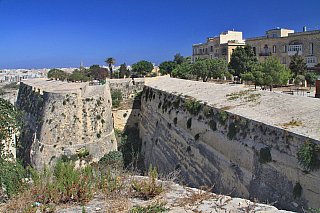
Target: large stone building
{"type": "Point", "coordinates": [221, 46]}
{"type": "Point", "coordinates": [284, 43]}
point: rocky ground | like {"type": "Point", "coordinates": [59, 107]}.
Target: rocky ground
{"type": "Point", "coordinates": [176, 199]}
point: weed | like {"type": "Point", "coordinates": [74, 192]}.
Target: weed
{"type": "Point", "coordinates": [292, 123]}
{"type": "Point", "coordinates": [207, 111]}
{"type": "Point", "coordinates": [222, 116]}
{"type": "Point", "coordinates": [307, 156]}
{"type": "Point", "coordinates": [158, 207]}
{"type": "Point", "coordinates": [195, 197]}
{"type": "Point", "coordinates": [125, 114]}
{"type": "Point", "coordinates": [148, 189]}
{"type": "Point", "coordinates": [193, 106]}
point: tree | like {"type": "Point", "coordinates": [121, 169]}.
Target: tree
{"type": "Point", "coordinates": [298, 66]}
{"type": "Point", "coordinates": [57, 74]}
{"type": "Point", "coordinates": [242, 60]}
{"type": "Point", "coordinates": [182, 71]}
{"type": "Point", "coordinates": [100, 74]}
{"type": "Point", "coordinates": [142, 67]}
{"type": "Point", "coordinates": [317, 71]}
{"type": "Point", "coordinates": [179, 59]}
{"type": "Point", "coordinates": [200, 69]}
{"type": "Point", "coordinates": [76, 76]}
{"type": "Point", "coordinates": [311, 78]}
{"type": "Point", "coordinates": [109, 61]}
{"type": "Point", "coordinates": [274, 73]}
{"type": "Point", "coordinates": [216, 67]}
{"type": "Point", "coordinates": [166, 67]}
{"type": "Point", "coordinates": [122, 71]}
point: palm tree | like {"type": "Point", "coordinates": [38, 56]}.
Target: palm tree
{"type": "Point", "coordinates": [110, 61]}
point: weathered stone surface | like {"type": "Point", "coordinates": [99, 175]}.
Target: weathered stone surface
{"type": "Point", "coordinates": [63, 118]}
{"type": "Point", "coordinates": [174, 196]}
{"type": "Point", "coordinates": [226, 157]}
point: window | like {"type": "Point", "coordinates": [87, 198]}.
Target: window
{"type": "Point", "coordinates": [211, 56]}
{"type": "Point", "coordinates": [254, 50]}
{"type": "Point", "coordinates": [311, 60]}
{"type": "Point", "coordinates": [211, 48]}
{"type": "Point", "coordinates": [284, 61]}
{"type": "Point", "coordinates": [206, 50]}
{"type": "Point", "coordinates": [274, 48]}
{"type": "Point", "coordinates": [275, 35]}
{"type": "Point", "coordinates": [268, 36]}
{"type": "Point", "coordinates": [311, 48]}
{"type": "Point", "coordinates": [295, 48]}
{"type": "Point", "coordinates": [284, 48]}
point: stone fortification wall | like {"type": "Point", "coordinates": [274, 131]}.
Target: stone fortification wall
{"type": "Point", "coordinates": [64, 118]}
{"type": "Point", "coordinates": [215, 144]}
{"type": "Point", "coordinates": [127, 87]}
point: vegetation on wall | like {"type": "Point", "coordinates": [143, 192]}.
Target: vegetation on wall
{"type": "Point", "coordinates": [308, 156]}
{"type": "Point", "coordinates": [116, 97]}
{"type": "Point", "coordinates": [222, 116]}
{"type": "Point", "coordinates": [193, 106]}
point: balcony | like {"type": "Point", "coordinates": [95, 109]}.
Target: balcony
{"type": "Point", "coordinates": [293, 49]}
{"type": "Point", "coordinates": [265, 54]}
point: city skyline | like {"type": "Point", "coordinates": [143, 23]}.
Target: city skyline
{"type": "Point", "coordinates": [49, 34]}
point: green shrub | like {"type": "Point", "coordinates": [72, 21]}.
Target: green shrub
{"type": "Point", "coordinates": [307, 156]}
{"type": "Point", "coordinates": [83, 153]}
{"type": "Point", "coordinates": [158, 207]}
{"type": "Point", "coordinates": [207, 111]}
{"type": "Point", "coordinates": [98, 117]}
{"type": "Point", "coordinates": [116, 98]}
{"type": "Point", "coordinates": [222, 116]}
{"type": "Point", "coordinates": [193, 106]}
{"type": "Point", "coordinates": [11, 176]}
{"type": "Point", "coordinates": [125, 114]}
{"type": "Point", "coordinates": [265, 155]}
{"type": "Point", "coordinates": [113, 158]}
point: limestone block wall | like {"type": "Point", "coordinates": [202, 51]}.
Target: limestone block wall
{"type": "Point", "coordinates": [214, 147]}
{"type": "Point", "coordinates": [126, 86]}
{"type": "Point", "coordinates": [60, 123]}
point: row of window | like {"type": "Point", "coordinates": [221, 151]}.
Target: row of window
{"type": "Point", "coordinates": [309, 60]}
{"type": "Point", "coordinates": [291, 48]}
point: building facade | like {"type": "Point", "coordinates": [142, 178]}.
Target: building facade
{"type": "Point", "coordinates": [221, 46]}
{"type": "Point", "coordinates": [284, 43]}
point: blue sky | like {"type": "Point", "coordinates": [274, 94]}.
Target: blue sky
{"type": "Point", "coordinates": [61, 33]}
